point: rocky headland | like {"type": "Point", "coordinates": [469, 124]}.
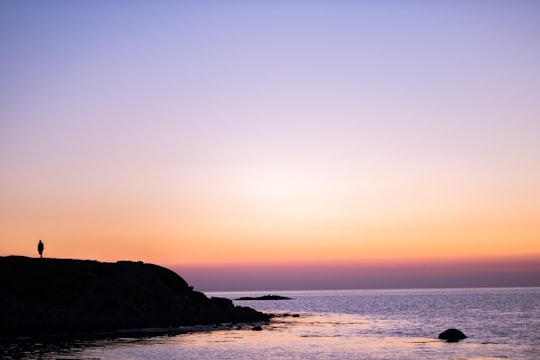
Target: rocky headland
{"type": "Point", "coordinates": [59, 296]}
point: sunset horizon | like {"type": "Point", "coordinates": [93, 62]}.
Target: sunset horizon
{"type": "Point", "coordinates": [276, 146]}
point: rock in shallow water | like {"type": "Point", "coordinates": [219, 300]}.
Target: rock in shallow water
{"type": "Point", "coordinates": [452, 335]}
{"type": "Point", "coordinates": [265, 297]}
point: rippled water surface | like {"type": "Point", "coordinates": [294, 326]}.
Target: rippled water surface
{"type": "Point", "coordinates": [360, 324]}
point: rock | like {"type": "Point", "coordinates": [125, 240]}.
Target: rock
{"type": "Point", "coordinates": [257, 328]}
{"type": "Point", "coordinates": [452, 335]}
{"type": "Point", "coordinates": [265, 297]}
{"type": "Point", "coordinates": [51, 296]}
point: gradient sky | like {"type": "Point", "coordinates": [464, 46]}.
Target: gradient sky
{"type": "Point", "coordinates": [251, 136]}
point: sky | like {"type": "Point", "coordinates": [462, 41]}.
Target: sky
{"type": "Point", "coordinates": [276, 145]}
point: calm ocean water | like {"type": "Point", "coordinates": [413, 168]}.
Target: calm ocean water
{"type": "Point", "coordinates": [349, 324]}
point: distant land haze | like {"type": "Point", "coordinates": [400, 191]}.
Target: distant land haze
{"type": "Point", "coordinates": [457, 273]}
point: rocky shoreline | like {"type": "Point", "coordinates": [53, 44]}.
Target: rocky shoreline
{"type": "Point", "coordinates": [61, 296]}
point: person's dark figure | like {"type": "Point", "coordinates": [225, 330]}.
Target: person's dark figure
{"type": "Point", "coordinates": [40, 248]}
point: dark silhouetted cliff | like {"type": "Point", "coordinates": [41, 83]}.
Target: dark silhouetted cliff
{"type": "Point", "coordinates": [51, 296]}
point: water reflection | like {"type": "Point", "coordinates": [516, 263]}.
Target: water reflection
{"type": "Point", "coordinates": [367, 325]}
{"type": "Point", "coordinates": [314, 335]}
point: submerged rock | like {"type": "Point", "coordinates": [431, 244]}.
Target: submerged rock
{"type": "Point", "coordinates": [51, 296]}
{"type": "Point", "coordinates": [265, 297]}
{"type": "Point", "coordinates": [452, 335]}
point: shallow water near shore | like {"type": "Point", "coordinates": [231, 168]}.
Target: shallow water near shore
{"type": "Point", "coordinates": [367, 324]}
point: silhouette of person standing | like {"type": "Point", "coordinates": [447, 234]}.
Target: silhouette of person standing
{"type": "Point", "coordinates": [40, 248]}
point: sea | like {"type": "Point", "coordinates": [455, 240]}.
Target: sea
{"type": "Point", "coordinates": [500, 323]}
